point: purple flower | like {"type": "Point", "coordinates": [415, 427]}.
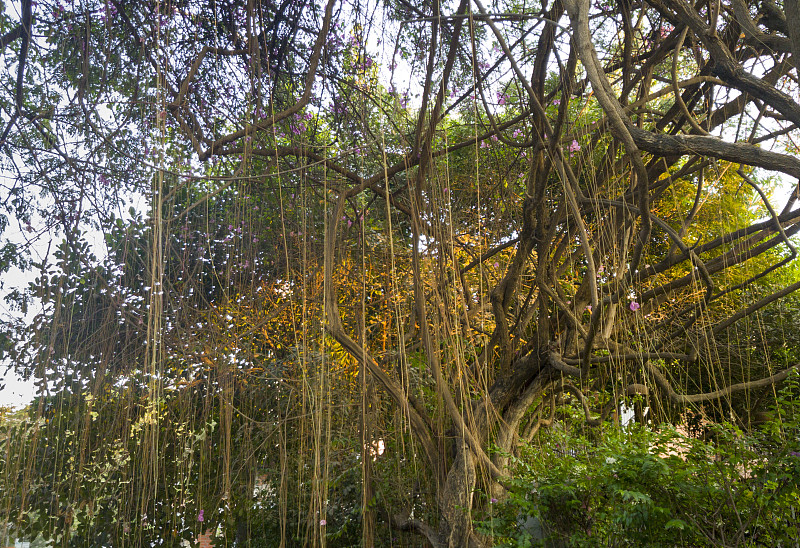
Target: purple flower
{"type": "Point", "coordinates": [200, 516]}
{"type": "Point", "coordinates": [492, 500]}
{"type": "Point", "coordinates": [556, 102]}
{"type": "Point", "coordinates": [634, 306]}
{"type": "Point", "coordinates": [574, 147]}
{"type": "Point", "coordinates": [795, 453]}
{"type": "Point", "coordinates": [323, 523]}
{"type": "Point", "coordinates": [484, 144]}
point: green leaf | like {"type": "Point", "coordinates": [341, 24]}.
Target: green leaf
{"type": "Point", "coordinates": [675, 524]}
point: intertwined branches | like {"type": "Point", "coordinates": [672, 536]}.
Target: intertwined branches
{"type": "Point", "coordinates": [545, 200]}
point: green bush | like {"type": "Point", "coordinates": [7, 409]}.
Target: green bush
{"type": "Point", "coordinates": [640, 487]}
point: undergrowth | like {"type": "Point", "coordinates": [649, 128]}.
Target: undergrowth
{"type": "Point", "coordinates": [643, 486]}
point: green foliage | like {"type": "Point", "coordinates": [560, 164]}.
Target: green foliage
{"type": "Point", "coordinates": [639, 487]}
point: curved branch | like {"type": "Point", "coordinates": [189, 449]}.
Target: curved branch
{"type": "Point", "coordinates": [740, 153]}
{"type": "Point", "coordinates": [333, 324]}
{"type": "Point", "coordinates": [572, 389]}
{"type": "Point", "coordinates": [741, 313]}
{"type": "Point", "coordinates": [313, 63]}
{"type": "Point", "coordinates": [27, 16]}
{"type": "Point", "coordinates": [676, 89]}
{"type": "Point", "coordinates": [402, 522]}
{"type": "Point", "coordinates": [10, 36]}
{"type": "Point", "coordinates": [665, 385]}
{"type": "Point", "coordinates": [578, 11]}
{"type": "Point", "coordinates": [772, 41]}
{"type": "Point", "coordinates": [725, 65]}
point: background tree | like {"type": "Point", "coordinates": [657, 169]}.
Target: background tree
{"type": "Point", "coordinates": [551, 198]}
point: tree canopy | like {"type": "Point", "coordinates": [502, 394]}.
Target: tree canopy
{"type": "Point", "coordinates": [315, 272]}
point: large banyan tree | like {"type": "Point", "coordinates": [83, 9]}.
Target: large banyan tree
{"type": "Point", "coordinates": [400, 233]}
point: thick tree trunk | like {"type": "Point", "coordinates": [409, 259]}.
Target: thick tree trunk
{"type": "Point", "coordinates": [455, 501]}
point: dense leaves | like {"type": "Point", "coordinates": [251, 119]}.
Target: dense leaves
{"type": "Point", "coordinates": [638, 487]}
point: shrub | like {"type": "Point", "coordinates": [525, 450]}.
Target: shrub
{"type": "Point", "coordinates": [642, 487]}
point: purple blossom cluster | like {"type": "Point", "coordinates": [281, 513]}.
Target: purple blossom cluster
{"type": "Point", "coordinates": [58, 11]}
{"type": "Point", "coordinates": [604, 5]}
{"type": "Point", "coordinates": [368, 62]}
{"type": "Point", "coordinates": [335, 40]}
{"type": "Point", "coordinates": [109, 12]}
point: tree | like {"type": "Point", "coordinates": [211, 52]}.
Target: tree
{"type": "Point", "coordinates": [531, 217]}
